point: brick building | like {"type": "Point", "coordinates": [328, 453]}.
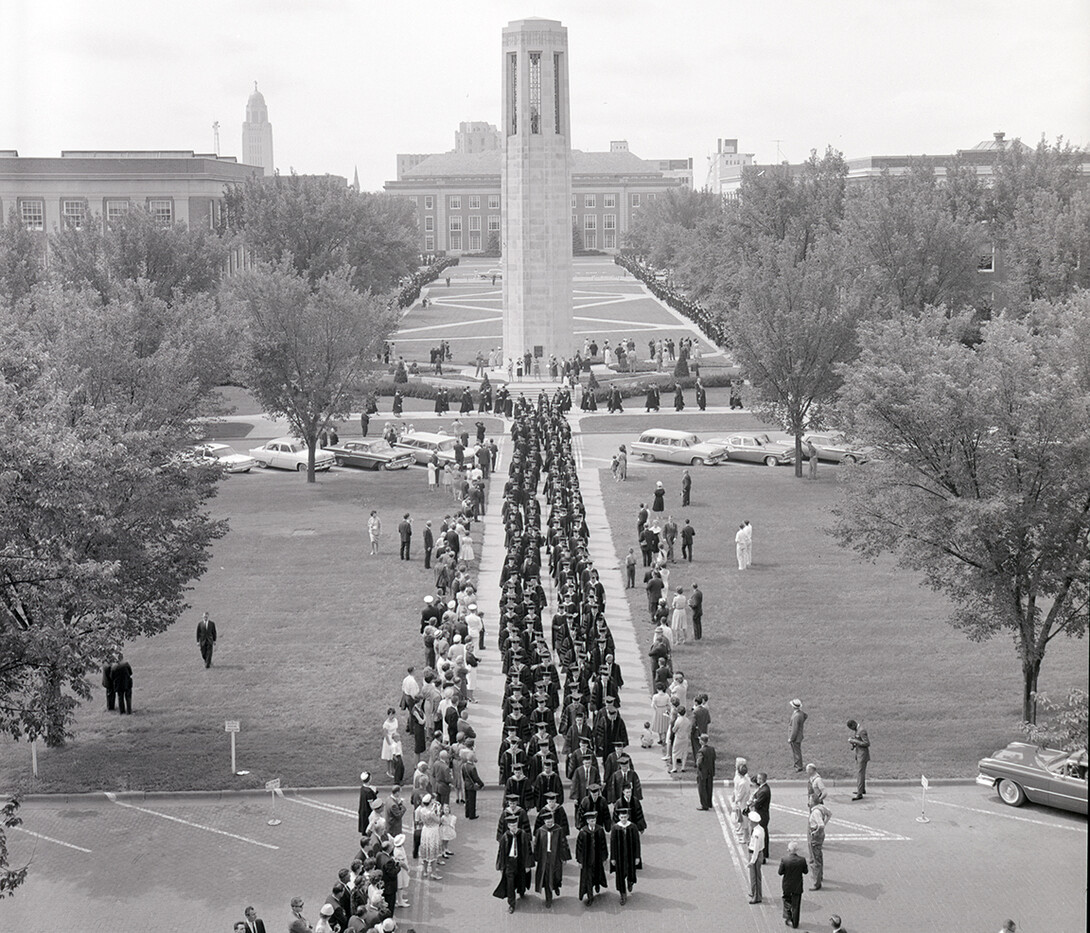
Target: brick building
{"type": "Point", "coordinates": [457, 194]}
{"type": "Point", "coordinates": [48, 193]}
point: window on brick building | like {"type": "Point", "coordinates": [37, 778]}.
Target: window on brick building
{"type": "Point", "coordinates": [455, 202]}
{"type": "Point", "coordinates": [32, 214]}
{"type": "Point", "coordinates": [609, 200]}
{"type": "Point", "coordinates": [74, 213]}
{"type": "Point", "coordinates": [474, 202]}
{"type": "Point", "coordinates": [493, 202]}
{"type": "Point", "coordinates": [162, 211]}
{"type": "Point", "coordinates": [429, 202]}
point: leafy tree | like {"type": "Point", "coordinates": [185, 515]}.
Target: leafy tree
{"type": "Point", "coordinates": [576, 237]}
{"type": "Point", "coordinates": [22, 260]}
{"type": "Point", "coordinates": [1037, 212]}
{"type": "Point", "coordinates": [320, 226]}
{"type": "Point", "coordinates": [493, 248]}
{"type": "Point", "coordinates": [910, 246]}
{"type": "Point", "coordinates": [984, 480]}
{"type": "Point", "coordinates": [154, 365]}
{"type": "Point", "coordinates": [102, 528]}
{"type": "Point", "coordinates": [10, 878]}
{"type": "Point", "coordinates": [171, 261]}
{"type": "Point", "coordinates": [794, 324]}
{"type": "Point", "coordinates": [309, 350]}
{"type": "Point", "coordinates": [1067, 724]}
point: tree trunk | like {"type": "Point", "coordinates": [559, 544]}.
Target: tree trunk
{"type": "Point", "coordinates": [312, 442]}
{"type": "Point", "coordinates": [1031, 670]}
{"type": "Point", "coordinates": [798, 455]}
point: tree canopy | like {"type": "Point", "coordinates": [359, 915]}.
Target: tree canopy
{"type": "Point", "coordinates": [309, 349]}
{"type": "Point", "coordinates": [320, 226]}
{"type": "Point", "coordinates": [984, 479]}
{"type": "Point", "coordinates": [172, 260]}
{"type": "Point", "coordinates": [102, 528]}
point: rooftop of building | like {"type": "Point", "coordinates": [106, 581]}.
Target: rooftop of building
{"type": "Point", "coordinates": [490, 162]}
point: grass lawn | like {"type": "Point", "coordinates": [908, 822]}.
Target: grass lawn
{"type": "Point", "coordinates": [809, 620]}
{"type": "Point", "coordinates": [314, 639]}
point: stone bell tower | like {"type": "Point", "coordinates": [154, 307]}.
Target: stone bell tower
{"type": "Point", "coordinates": [536, 191]}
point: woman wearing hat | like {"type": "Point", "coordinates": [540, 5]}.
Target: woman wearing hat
{"type": "Point", "coordinates": [391, 745]}
{"type": "Point", "coordinates": [430, 818]}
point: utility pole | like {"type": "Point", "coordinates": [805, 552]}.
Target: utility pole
{"type": "Point", "coordinates": [216, 137]}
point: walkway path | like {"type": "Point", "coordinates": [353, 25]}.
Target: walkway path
{"type": "Point", "coordinates": [635, 696]}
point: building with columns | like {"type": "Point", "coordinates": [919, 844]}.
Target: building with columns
{"type": "Point", "coordinates": [257, 139]}
{"type": "Point", "coordinates": [457, 196]}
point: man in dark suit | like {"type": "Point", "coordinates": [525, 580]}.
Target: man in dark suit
{"type": "Point", "coordinates": [405, 533]}
{"type": "Point", "coordinates": [696, 605]}
{"type": "Point", "coordinates": [761, 804]}
{"type": "Point", "coordinates": [429, 544]}
{"type": "Point", "coordinates": [705, 771]}
{"type": "Point", "coordinates": [688, 532]}
{"type": "Point", "coordinates": [108, 683]}
{"type": "Point", "coordinates": [254, 924]}
{"type": "Point", "coordinates": [860, 743]}
{"type": "Point", "coordinates": [206, 638]}
{"type": "Point", "coordinates": [686, 485]}
{"type": "Point", "coordinates": [792, 866]}
{"type": "Point", "coordinates": [701, 721]}
{"type": "Point", "coordinates": [122, 678]}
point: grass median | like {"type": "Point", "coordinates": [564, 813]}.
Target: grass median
{"type": "Point", "coordinates": [809, 620]}
{"type": "Point", "coordinates": [314, 638]}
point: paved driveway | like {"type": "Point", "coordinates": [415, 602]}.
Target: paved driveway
{"type": "Point", "coordinates": [193, 863]}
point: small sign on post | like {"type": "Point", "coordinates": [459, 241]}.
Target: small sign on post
{"type": "Point", "coordinates": [232, 726]}
{"type": "Point", "coordinates": [273, 787]}
{"type": "Point", "coordinates": [922, 818]}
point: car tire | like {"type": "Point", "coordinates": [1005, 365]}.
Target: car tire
{"type": "Point", "coordinates": [263, 464]}
{"type": "Point", "coordinates": [772, 461]}
{"type": "Point", "coordinates": [848, 458]}
{"type": "Point", "coordinates": [338, 461]}
{"type": "Point", "coordinates": [1011, 793]}
{"type": "Point", "coordinates": [301, 467]}
{"type": "Point", "coordinates": [697, 461]}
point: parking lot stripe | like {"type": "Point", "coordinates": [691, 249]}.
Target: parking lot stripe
{"type": "Point", "coordinates": [67, 845]}
{"type": "Point", "coordinates": [177, 819]}
{"type": "Point", "coordinates": [1009, 816]}
{"type": "Point", "coordinates": [318, 805]}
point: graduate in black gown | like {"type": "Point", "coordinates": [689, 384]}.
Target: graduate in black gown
{"type": "Point", "coordinates": [551, 851]}
{"type": "Point", "coordinates": [513, 860]}
{"type": "Point", "coordinates": [624, 853]}
{"type": "Point", "coordinates": [590, 852]}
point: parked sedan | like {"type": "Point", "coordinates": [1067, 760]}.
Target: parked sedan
{"type": "Point", "coordinates": [836, 448]}
{"type": "Point", "coordinates": [374, 454]}
{"type": "Point", "coordinates": [288, 453]}
{"type": "Point", "coordinates": [226, 457]}
{"type": "Point", "coordinates": [756, 448]}
{"type": "Point", "coordinates": [1022, 772]}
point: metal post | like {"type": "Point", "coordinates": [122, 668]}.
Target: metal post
{"type": "Point", "coordinates": [34, 756]}
{"type": "Point", "coordinates": [233, 768]}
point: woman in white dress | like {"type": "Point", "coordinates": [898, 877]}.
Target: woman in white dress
{"type": "Point", "coordinates": [680, 734]}
{"type": "Point", "coordinates": [465, 544]}
{"type": "Point", "coordinates": [433, 472]}
{"type": "Point", "coordinates": [679, 618]}
{"type": "Point", "coordinates": [660, 713]}
{"type": "Point", "coordinates": [446, 477]}
{"type": "Point", "coordinates": [607, 354]}
{"type": "Point", "coordinates": [391, 745]}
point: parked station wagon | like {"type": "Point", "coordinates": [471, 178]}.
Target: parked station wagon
{"type": "Point", "coordinates": [677, 447]}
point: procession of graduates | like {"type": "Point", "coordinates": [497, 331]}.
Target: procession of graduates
{"type": "Point", "coordinates": [538, 709]}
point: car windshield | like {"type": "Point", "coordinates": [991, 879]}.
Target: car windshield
{"type": "Point", "coordinates": [763, 439]}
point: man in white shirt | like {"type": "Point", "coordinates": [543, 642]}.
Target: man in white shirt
{"type": "Point", "coordinates": [747, 528]}
{"type": "Point", "coordinates": [815, 833]}
{"type": "Point", "coordinates": [410, 690]}
{"type": "Point", "coordinates": [756, 856]}
{"type": "Point", "coordinates": [815, 786]}
{"type": "Point", "coordinates": [740, 546]}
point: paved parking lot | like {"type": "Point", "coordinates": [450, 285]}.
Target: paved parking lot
{"type": "Point", "coordinates": [193, 862]}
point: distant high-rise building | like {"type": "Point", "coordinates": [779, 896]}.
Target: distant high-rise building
{"type": "Point", "coordinates": [257, 143]}
{"type": "Point", "coordinates": [477, 137]}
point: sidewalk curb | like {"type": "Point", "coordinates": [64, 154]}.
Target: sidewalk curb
{"type": "Point", "coordinates": [148, 796]}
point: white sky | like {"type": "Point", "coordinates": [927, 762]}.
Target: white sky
{"type": "Point", "coordinates": [353, 82]}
